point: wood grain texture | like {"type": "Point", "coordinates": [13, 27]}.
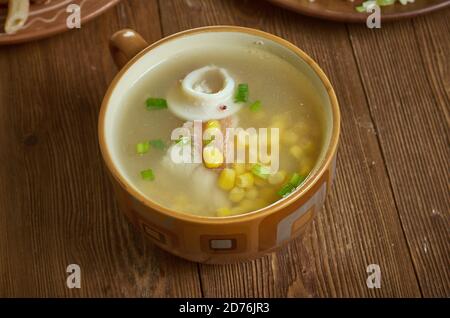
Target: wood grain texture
{"type": "Point", "coordinates": [406, 84]}
{"type": "Point", "coordinates": [56, 202]}
{"type": "Point", "coordinates": [360, 224]}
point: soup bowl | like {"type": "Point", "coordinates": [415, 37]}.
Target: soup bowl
{"type": "Point", "coordinates": [216, 239]}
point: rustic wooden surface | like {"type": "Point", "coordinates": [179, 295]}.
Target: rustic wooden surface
{"type": "Point", "coordinates": [389, 205]}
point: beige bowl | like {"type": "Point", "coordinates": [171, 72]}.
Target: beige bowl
{"type": "Point", "coordinates": [221, 239]}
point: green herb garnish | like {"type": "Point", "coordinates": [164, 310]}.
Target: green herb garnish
{"type": "Point", "coordinates": [241, 93]}
{"type": "Point", "coordinates": [370, 3]}
{"type": "Point", "coordinates": [148, 175]}
{"type": "Point", "coordinates": [206, 142]}
{"type": "Point", "coordinates": [256, 106]}
{"type": "Point", "coordinates": [142, 148]}
{"type": "Point", "coordinates": [295, 181]}
{"type": "Point", "coordinates": [286, 189]}
{"type": "Point", "coordinates": [261, 171]}
{"type": "Point", "coordinates": [184, 140]}
{"type": "Point", "coordinates": [156, 103]}
{"type": "Point", "coordinates": [157, 144]}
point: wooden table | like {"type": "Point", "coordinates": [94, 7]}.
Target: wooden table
{"type": "Point", "coordinates": [389, 205]}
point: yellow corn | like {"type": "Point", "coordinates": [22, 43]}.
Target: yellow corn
{"type": "Point", "coordinates": [212, 157]}
{"type": "Point", "coordinates": [226, 179]}
{"type": "Point", "coordinates": [236, 194]}
{"type": "Point", "coordinates": [296, 151]}
{"type": "Point", "coordinates": [223, 212]}
{"type": "Point", "coordinates": [277, 177]}
{"type": "Point", "coordinates": [251, 193]}
{"type": "Point", "coordinates": [245, 180]}
{"type": "Point", "coordinates": [239, 168]}
{"type": "Point", "coordinates": [213, 124]}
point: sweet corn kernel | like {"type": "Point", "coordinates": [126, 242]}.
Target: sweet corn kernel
{"type": "Point", "coordinates": [224, 212]}
{"type": "Point", "coordinates": [239, 168]}
{"type": "Point", "coordinates": [277, 177]}
{"type": "Point", "coordinates": [226, 179]}
{"type": "Point", "coordinates": [289, 137]}
{"type": "Point", "coordinates": [236, 195]}
{"type": "Point", "coordinates": [251, 193]}
{"type": "Point", "coordinates": [212, 157]}
{"type": "Point", "coordinates": [296, 151]}
{"type": "Point", "coordinates": [213, 124]}
{"type": "Point", "coordinates": [245, 180]}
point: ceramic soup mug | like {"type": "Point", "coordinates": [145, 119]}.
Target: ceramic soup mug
{"type": "Point", "coordinates": [220, 239]}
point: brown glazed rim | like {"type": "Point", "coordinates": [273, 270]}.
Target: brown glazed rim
{"type": "Point", "coordinates": [273, 208]}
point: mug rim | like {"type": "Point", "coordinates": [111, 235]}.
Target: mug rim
{"type": "Point", "coordinates": [270, 209]}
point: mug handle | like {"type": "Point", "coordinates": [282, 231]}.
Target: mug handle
{"type": "Point", "coordinates": [124, 45]}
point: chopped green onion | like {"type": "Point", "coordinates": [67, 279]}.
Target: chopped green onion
{"type": "Point", "coordinates": [293, 183]}
{"type": "Point", "coordinates": [148, 175]}
{"type": "Point", "coordinates": [206, 142]}
{"type": "Point", "coordinates": [286, 189]}
{"type": "Point", "coordinates": [142, 148]}
{"type": "Point", "coordinates": [261, 171]}
{"type": "Point", "coordinates": [256, 106]}
{"type": "Point", "coordinates": [241, 94]}
{"type": "Point", "coordinates": [184, 140]}
{"type": "Point", "coordinates": [157, 144]}
{"type": "Point", "coordinates": [296, 179]}
{"type": "Point", "coordinates": [156, 103]}
{"type": "Point", "coordinates": [367, 6]}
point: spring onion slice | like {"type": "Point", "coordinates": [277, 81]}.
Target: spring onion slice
{"type": "Point", "coordinates": [206, 142]}
{"type": "Point", "coordinates": [148, 175]}
{"type": "Point", "coordinates": [256, 106]}
{"type": "Point", "coordinates": [142, 148]}
{"type": "Point", "coordinates": [261, 171]}
{"type": "Point", "coordinates": [366, 6]}
{"type": "Point", "coordinates": [183, 140]}
{"type": "Point", "coordinates": [296, 179]}
{"type": "Point", "coordinates": [157, 144]}
{"type": "Point", "coordinates": [241, 93]}
{"type": "Point", "coordinates": [286, 190]}
{"type": "Point", "coordinates": [155, 103]}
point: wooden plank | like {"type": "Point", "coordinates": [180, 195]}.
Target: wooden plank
{"type": "Point", "coordinates": [405, 70]}
{"type": "Point", "coordinates": [360, 224]}
{"type": "Point", "coordinates": [56, 203]}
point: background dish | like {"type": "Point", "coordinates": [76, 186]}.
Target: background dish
{"type": "Point", "coordinates": [49, 19]}
{"type": "Point", "coordinates": [344, 11]}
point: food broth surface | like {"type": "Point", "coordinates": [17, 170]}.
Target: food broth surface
{"type": "Point", "coordinates": [288, 101]}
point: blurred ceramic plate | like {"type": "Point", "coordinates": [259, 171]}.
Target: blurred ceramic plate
{"type": "Point", "coordinates": [344, 10]}
{"type": "Point", "coordinates": [50, 18]}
